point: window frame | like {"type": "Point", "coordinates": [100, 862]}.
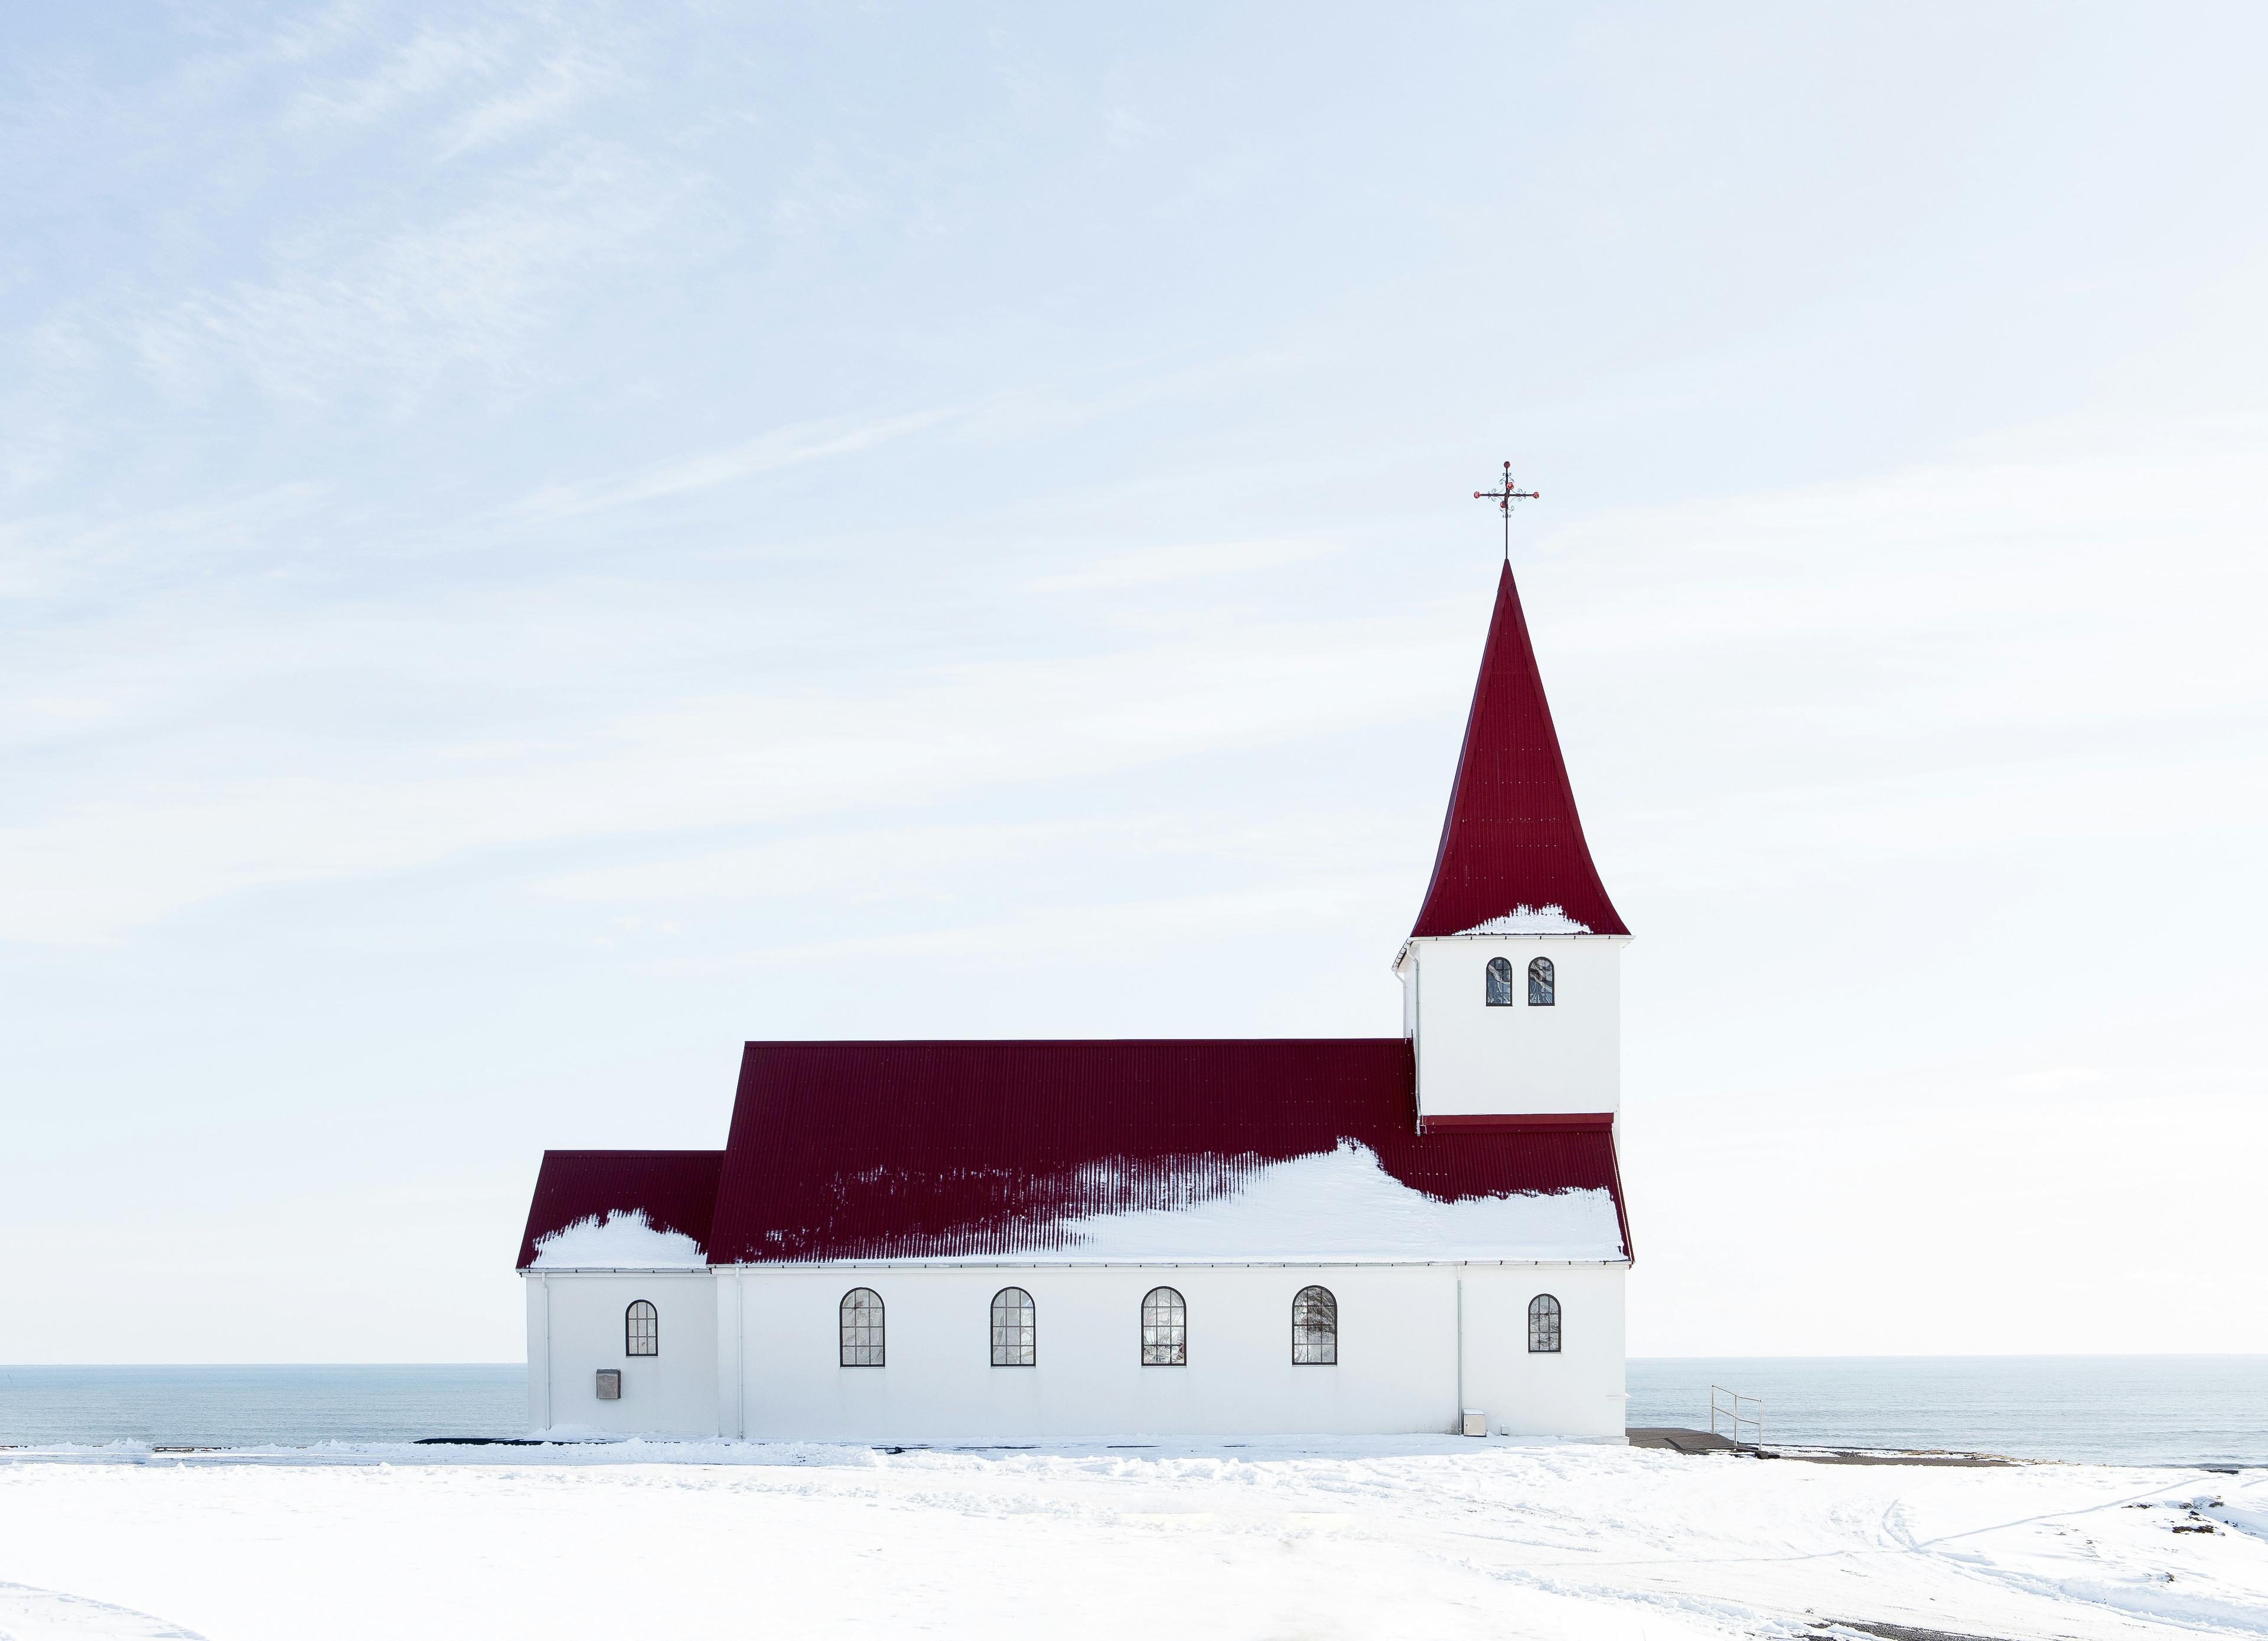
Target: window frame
{"type": "Point", "coordinates": [1158, 1350]}
{"type": "Point", "coordinates": [1545, 1328]}
{"type": "Point", "coordinates": [1307, 1336]}
{"type": "Point", "coordinates": [1497, 987]}
{"type": "Point", "coordinates": [1543, 983]}
{"type": "Point", "coordinates": [1024, 1311]}
{"type": "Point", "coordinates": [845, 1346]}
{"type": "Point", "coordinates": [632, 1332]}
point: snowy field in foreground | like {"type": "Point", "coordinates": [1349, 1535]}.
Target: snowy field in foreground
{"type": "Point", "coordinates": [1421, 1537]}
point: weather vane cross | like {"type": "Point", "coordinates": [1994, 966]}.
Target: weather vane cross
{"type": "Point", "coordinates": [1504, 496]}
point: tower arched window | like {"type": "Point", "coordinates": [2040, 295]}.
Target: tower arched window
{"type": "Point", "coordinates": [1499, 983]}
{"type": "Point", "coordinates": [1164, 1329]}
{"type": "Point", "coordinates": [1543, 1326]}
{"type": "Point", "coordinates": [862, 1328]}
{"type": "Point", "coordinates": [1015, 1333]}
{"type": "Point", "coordinates": [1314, 1328]}
{"type": "Point", "coordinates": [641, 1329]}
{"type": "Point", "coordinates": [1541, 984]}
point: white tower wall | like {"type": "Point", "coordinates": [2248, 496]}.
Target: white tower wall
{"type": "Point", "coordinates": [1521, 1059]}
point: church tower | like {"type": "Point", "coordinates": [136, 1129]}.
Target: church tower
{"type": "Point", "coordinates": [1510, 978]}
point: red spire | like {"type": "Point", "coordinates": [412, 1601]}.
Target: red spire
{"type": "Point", "coordinates": [1512, 841]}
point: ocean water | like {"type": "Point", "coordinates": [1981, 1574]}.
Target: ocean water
{"type": "Point", "coordinates": [2204, 1409]}
{"type": "Point", "coordinates": [2099, 1409]}
{"type": "Point", "coordinates": [243, 1407]}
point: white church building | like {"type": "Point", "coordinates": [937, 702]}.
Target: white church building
{"type": "Point", "coordinates": [978, 1242]}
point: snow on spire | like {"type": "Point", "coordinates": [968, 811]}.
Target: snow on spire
{"type": "Point", "coordinates": [1513, 858]}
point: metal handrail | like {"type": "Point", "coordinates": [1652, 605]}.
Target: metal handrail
{"type": "Point", "coordinates": [1729, 1405]}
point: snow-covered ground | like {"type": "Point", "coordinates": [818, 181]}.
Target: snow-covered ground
{"type": "Point", "coordinates": [1419, 1537]}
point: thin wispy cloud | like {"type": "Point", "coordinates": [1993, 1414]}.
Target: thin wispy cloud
{"type": "Point", "coordinates": [136, 555]}
{"type": "Point", "coordinates": [196, 830]}
{"type": "Point", "coordinates": [432, 61]}
{"type": "Point", "coordinates": [543, 97]}
{"type": "Point", "coordinates": [766, 453]}
{"type": "Point", "coordinates": [1184, 562]}
{"type": "Point", "coordinates": [395, 317]}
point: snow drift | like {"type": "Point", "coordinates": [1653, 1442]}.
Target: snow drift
{"type": "Point", "coordinates": [1336, 1205]}
{"type": "Point", "coordinates": [620, 1240]}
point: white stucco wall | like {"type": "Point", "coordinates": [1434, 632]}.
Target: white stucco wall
{"type": "Point", "coordinates": [1578, 1392]}
{"type": "Point", "coordinates": [1474, 1060]}
{"type": "Point", "coordinates": [576, 1327]}
{"type": "Point", "coordinates": [752, 1352]}
{"type": "Point", "coordinates": [1398, 1368]}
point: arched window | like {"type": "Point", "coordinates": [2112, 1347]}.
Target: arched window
{"type": "Point", "coordinates": [862, 1328]}
{"type": "Point", "coordinates": [1499, 983]}
{"type": "Point", "coordinates": [641, 1330]}
{"type": "Point", "coordinates": [1164, 1329]}
{"type": "Point", "coordinates": [1543, 1326]}
{"type": "Point", "coordinates": [1015, 1339]}
{"type": "Point", "coordinates": [1314, 1328]}
{"type": "Point", "coordinates": [1539, 983]}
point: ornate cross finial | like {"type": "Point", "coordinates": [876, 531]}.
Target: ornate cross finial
{"type": "Point", "coordinates": [1504, 496]}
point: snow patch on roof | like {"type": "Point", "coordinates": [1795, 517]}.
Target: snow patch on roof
{"type": "Point", "coordinates": [1525, 919]}
{"type": "Point", "coordinates": [623, 1238]}
{"type": "Point", "coordinates": [1336, 1205]}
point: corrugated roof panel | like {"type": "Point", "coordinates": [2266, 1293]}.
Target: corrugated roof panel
{"type": "Point", "coordinates": [676, 1189]}
{"type": "Point", "coordinates": [909, 1150]}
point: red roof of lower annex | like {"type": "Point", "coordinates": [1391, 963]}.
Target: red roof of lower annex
{"type": "Point", "coordinates": [957, 1149]}
{"type": "Point", "coordinates": [675, 1189]}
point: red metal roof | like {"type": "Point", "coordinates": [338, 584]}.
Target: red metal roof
{"type": "Point", "coordinates": [1511, 838]}
{"type": "Point", "coordinates": [909, 1150]}
{"type": "Point", "coordinates": [676, 1188]}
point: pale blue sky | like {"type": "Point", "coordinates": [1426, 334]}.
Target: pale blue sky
{"type": "Point", "coordinates": [537, 545]}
